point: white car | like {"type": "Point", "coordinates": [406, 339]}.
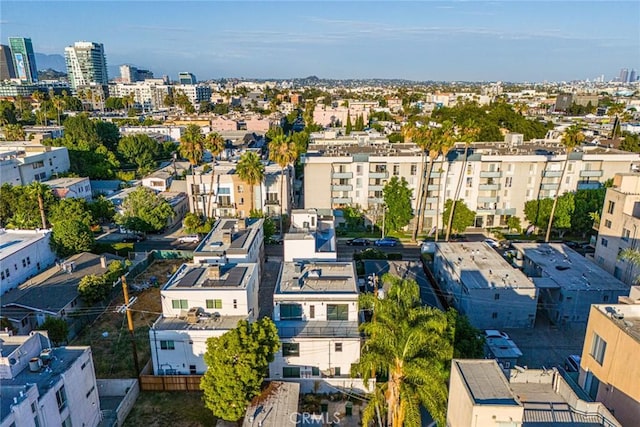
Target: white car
{"type": "Point", "coordinates": [492, 243]}
{"type": "Point", "coordinates": [189, 239]}
{"type": "Point", "coordinates": [493, 333]}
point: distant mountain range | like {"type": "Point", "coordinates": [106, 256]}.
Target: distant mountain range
{"type": "Point", "coordinates": [55, 62]}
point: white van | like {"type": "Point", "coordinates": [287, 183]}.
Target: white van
{"type": "Point", "coordinates": [193, 238]}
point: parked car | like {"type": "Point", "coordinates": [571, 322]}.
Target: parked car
{"type": "Point", "coordinates": [193, 238]}
{"type": "Point", "coordinates": [493, 333]}
{"type": "Point", "coordinates": [572, 363]}
{"type": "Point", "coordinates": [132, 238]}
{"type": "Point", "coordinates": [492, 243]}
{"type": "Point", "coordinates": [275, 240]}
{"type": "Point", "coordinates": [387, 241]}
{"type": "Point", "coordinates": [359, 242]}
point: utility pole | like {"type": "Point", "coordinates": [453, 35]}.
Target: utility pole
{"type": "Point", "coordinates": [125, 290]}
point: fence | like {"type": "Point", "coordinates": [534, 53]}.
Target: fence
{"type": "Point", "coordinates": [150, 382]}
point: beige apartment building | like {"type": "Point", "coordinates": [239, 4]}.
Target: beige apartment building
{"type": "Point", "coordinates": [620, 226]}
{"type": "Point", "coordinates": [609, 369]}
{"type": "Point", "coordinates": [496, 180]}
{"type": "Point", "coordinates": [231, 197]}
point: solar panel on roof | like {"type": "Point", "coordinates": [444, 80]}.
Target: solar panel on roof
{"type": "Point", "coordinates": [235, 276]}
{"type": "Point", "coordinates": [239, 239]}
{"type": "Point", "coordinates": [228, 225]}
{"type": "Point", "coordinates": [191, 278]}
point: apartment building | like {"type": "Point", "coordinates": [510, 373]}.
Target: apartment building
{"type": "Point", "coordinates": [159, 180]}
{"type": "Point", "coordinates": [171, 133]}
{"type": "Point", "coordinates": [481, 395]}
{"type": "Point", "coordinates": [316, 313]}
{"type": "Point", "coordinates": [568, 283]}
{"type": "Point", "coordinates": [199, 302]}
{"type": "Point", "coordinates": [609, 370]}
{"type": "Point", "coordinates": [312, 236]}
{"type": "Point", "coordinates": [149, 94]}
{"type": "Point", "coordinates": [77, 188]}
{"type": "Point", "coordinates": [195, 92]}
{"type": "Point", "coordinates": [21, 163]}
{"type": "Point", "coordinates": [620, 227]}
{"type": "Point", "coordinates": [496, 180]}
{"type": "Point", "coordinates": [483, 286]}
{"type": "Point", "coordinates": [86, 64]}
{"type": "Point", "coordinates": [44, 386]}
{"type": "Point", "coordinates": [23, 254]}
{"type": "Point", "coordinates": [221, 193]}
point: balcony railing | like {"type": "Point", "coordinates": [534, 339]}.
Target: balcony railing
{"type": "Point", "coordinates": [341, 187]}
{"type": "Point", "coordinates": [590, 174]}
{"type": "Point", "coordinates": [379, 175]}
{"type": "Point", "coordinates": [341, 200]}
{"type": "Point", "coordinates": [506, 211]}
{"type": "Point", "coordinates": [342, 175]}
{"type": "Point", "coordinates": [552, 174]}
{"type": "Point", "coordinates": [375, 200]}
{"type": "Point", "coordinates": [376, 187]}
{"type": "Point", "coordinates": [551, 186]}
{"type": "Point", "coordinates": [490, 174]}
{"type": "Point", "coordinates": [489, 187]}
{"type": "Point", "coordinates": [488, 199]}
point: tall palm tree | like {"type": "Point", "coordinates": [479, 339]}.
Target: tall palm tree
{"type": "Point", "coordinates": [411, 345]}
{"type": "Point", "coordinates": [58, 102]}
{"type": "Point", "coordinates": [419, 136]}
{"type": "Point", "coordinates": [445, 144]}
{"type": "Point", "coordinates": [251, 170]}
{"type": "Point", "coordinates": [632, 256]}
{"type": "Point", "coordinates": [38, 190]}
{"type": "Point", "coordinates": [215, 143]}
{"type": "Point", "coordinates": [467, 133]}
{"type": "Point", "coordinates": [284, 152]}
{"type": "Point", "coordinates": [572, 137]}
{"type": "Point", "coordinates": [39, 97]}
{"type": "Point", "coordinates": [192, 148]}
{"type": "Point", "coordinates": [614, 112]}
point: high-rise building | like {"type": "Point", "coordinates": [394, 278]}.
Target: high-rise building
{"type": "Point", "coordinates": [7, 71]}
{"type": "Point", "coordinates": [86, 64]}
{"type": "Point", "coordinates": [624, 75]}
{"type": "Point", "coordinates": [128, 73]}
{"type": "Point", "coordinates": [632, 76]}
{"type": "Point", "coordinates": [186, 78]}
{"type": "Point", "coordinates": [24, 59]}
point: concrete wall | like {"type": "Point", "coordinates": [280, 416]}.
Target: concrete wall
{"type": "Point", "coordinates": [27, 262]}
{"type": "Point", "coordinates": [330, 385]}
{"type": "Point", "coordinates": [319, 302]}
{"type": "Point", "coordinates": [126, 388]}
{"type": "Point", "coordinates": [198, 297]}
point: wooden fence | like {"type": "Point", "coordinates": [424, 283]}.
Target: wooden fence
{"type": "Point", "coordinates": [170, 382]}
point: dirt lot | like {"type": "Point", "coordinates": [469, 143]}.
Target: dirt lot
{"type": "Point", "coordinates": [112, 354]}
{"type": "Point", "coordinates": [175, 409]}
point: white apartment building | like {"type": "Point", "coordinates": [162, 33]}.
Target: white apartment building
{"type": "Point", "coordinates": [195, 92]}
{"type": "Point", "coordinates": [172, 133]}
{"type": "Point", "coordinates": [23, 254]}
{"type": "Point", "coordinates": [483, 286]}
{"type": "Point", "coordinates": [86, 64]}
{"type": "Point", "coordinates": [21, 163]}
{"type": "Point", "coordinates": [312, 236]}
{"type": "Point", "coordinates": [496, 178]}
{"type": "Point", "coordinates": [222, 193]}
{"type": "Point", "coordinates": [148, 94]}
{"type": "Point", "coordinates": [159, 180]}
{"type": "Point", "coordinates": [78, 188]}
{"type": "Point", "coordinates": [232, 240]}
{"type": "Point", "coordinates": [620, 227]}
{"type": "Point", "coordinates": [316, 313]}
{"type": "Point", "coordinates": [44, 386]}
{"type": "Point", "coordinates": [200, 302]}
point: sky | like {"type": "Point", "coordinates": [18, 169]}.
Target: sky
{"type": "Point", "coordinates": [513, 41]}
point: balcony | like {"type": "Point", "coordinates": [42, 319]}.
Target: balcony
{"type": "Point", "coordinates": [552, 174]}
{"type": "Point", "coordinates": [506, 211]}
{"type": "Point", "coordinates": [482, 210]}
{"type": "Point", "coordinates": [433, 187]}
{"type": "Point", "coordinates": [436, 174]}
{"type": "Point", "coordinates": [488, 199]}
{"type": "Point", "coordinates": [490, 174]}
{"type": "Point", "coordinates": [432, 200]}
{"type": "Point", "coordinates": [378, 175]}
{"type": "Point", "coordinates": [489, 187]}
{"type": "Point", "coordinates": [271, 202]}
{"type": "Point", "coordinates": [591, 174]}
{"type": "Point", "coordinates": [342, 187]}
{"type": "Point", "coordinates": [429, 212]}
{"type": "Point", "coordinates": [342, 175]}
{"type": "Point", "coordinates": [551, 186]}
{"type": "Point", "coordinates": [587, 185]}
{"type": "Point", "coordinates": [341, 200]}
{"type": "Point", "coordinates": [375, 200]}
{"type": "Point", "coordinates": [376, 187]}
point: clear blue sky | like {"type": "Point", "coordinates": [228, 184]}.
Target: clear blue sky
{"type": "Point", "coordinates": [420, 40]}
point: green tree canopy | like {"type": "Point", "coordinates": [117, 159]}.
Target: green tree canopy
{"type": "Point", "coordinates": [468, 341]}
{"type": "Point", "coordinates": [71, 209]}
{"type": "Point", "coordinates": [144, 211]}
{"type": "Point", "coordinates": [139, 149]}
{"type": "Point", "coordinates": [251, 170]}
{"type": "Point", "coordinates": [93, 289]}
{"type": "Point", "coordinates": [71, 236]}
{"type": "Point", "coordinates": [102, 209]}
{"type": "Point", "coordinates": [57, 329]}
{"type": "Point", "coordinates": [538, 212]}
{"type": "Point", "coordinates": [463, 217]}
{"type": "Point", "coordinates": [237, 363]}
{"type": "Point", "coordinates": [14, 132]}
{"type": "Point", "coordinates": [411, 346]}
{"type": "Point", "coordinates": [397, 198]}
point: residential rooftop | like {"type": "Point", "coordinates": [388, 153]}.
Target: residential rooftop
{"type": "Point", "coordinates": [481, 267]}
{"type": "Point", "coordinates": [12, 241]}
{"type": "Point", "coordinates": [277, 409]}
{"type": "Point", "coordinates": [195, 276]}
{"type": "Point", "coordinates": [230, 236]}
{"type": "Point", "coordinates": [485, 382]}
{"type": "Point", "coordinates": [561, 267]}
{"type": "Point", "coordinates": [64, 182]}
{"type": "Point", "coordinates": [318, 329]}
{"type": "Point", "coordinates": [317, 278]}
{"type": "Point", "coordinates": [625, 316]}
{"type": "Point", "coordinates": [204, 322]}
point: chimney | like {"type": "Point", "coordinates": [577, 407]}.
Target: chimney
{"type": "Point", "coordinates": [213, 272]}
{"type": "Point", "coordinates": [226, 238]}
{"type": "Point", "coordinates": [103, 261]}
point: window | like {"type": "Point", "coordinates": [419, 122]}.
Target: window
{"type": "Point", "coordinates": [67, 422]}
{"type": "Point", "coordinates": [290, 312]}
{"type": "Point", "coordinates": [167, 345]}
{"type": "Point", "coordinates": [494, 315]}
{"type": "Point", "coordinates": [337, 312]}
{"type": "Point", "coordinates": [24, 263]}
{"type": "Point", "coordinates": [607, 223]}
{"type": "Point", "coordinates": [28, 261]}
{"type": "Point", "coordinates": [180, 304]}
{"type": "Point", "coordinates": [338, 347]}
{"type": "Point", "coordinates": [598, 348]}
{"type": "Point", "coordinates": [312, 312]}
{"type": "Point", "coordinates": [336, 371]}
{"type": "Point", "coordinates": [604, 242]}
{"type": "Point", "coordinates": [315, 371]}
{"type": "Point", "coordinates": [90, 391]}
{"type": "Point", "coordinates": [358, 169]}
{"type": "Point", "coordinates": [396, 170]}
{"type": "Point", "coordinates": [235, 303]}
{"type": "Point", "coordinates": [567, 180]}
{"type": "Point", "coordinates": [33, 407]}
{"type": "Point", "coordinates": [508, 181]}
{"type": "Point", "coordinates": [610, 207]}
{"type": "Point", "coordinates": [290, 349]}
{"type": "Point", "coordinates": [605, 298]}
{"type": "Point", "coordinates": [358, 182]}
{"type": "Point", "coordinates": [240, 189]}
{"type": "Point", "coordinates": [291, 372]}
{"type": "Point", "coordinates": [469, 182]}
{"type": "Point", "coordinates": [496, 296]}
{"type": "Point", "coordinates": [214, 303]}
{"type": "Point", "coordinates": [61, 397]}
{"type": "Point", "coordinates": [192, 369]}
{"type": "Point", "coordinates": [414, 169]}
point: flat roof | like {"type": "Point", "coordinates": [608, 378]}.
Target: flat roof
{"type": "Point", "coordinates": [481, 267]}
{"type": "Point", "coordinates": [486, 383]}
{"type": "Point", "coordinates": [209, 323]}
{"type": "Point", "coordinates": [625, 316]}
{"type": "Point", "coordinates": [567, 268]}
{"type": "Point", "coordinates": [317, 277]}
{"type": "Point", "coordinates": [241, 231]}
{"type": "Point", "coordinates": [12, 241]}
{"type": "Point", "coordinates": [196, 276]}
{"type": "Point", "coordinates": [318, 329]}
{"type": "Point", "coordinates": [64, 182]}
{"type": "Point", "coordinates": [278, 408]}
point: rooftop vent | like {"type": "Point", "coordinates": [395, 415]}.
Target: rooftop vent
{"type": "Point", "coordinates": [213, 272]}
{"type": "Point", "coordinates": [193, 314]}
{"type": "Point", "coordinates": [35, 364]}
{"type": "Point", "coordinates": [226, 237]}
{"type": "Point", "coordinates": [315, 273]}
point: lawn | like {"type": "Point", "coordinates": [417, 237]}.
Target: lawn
{"type": "Point", "coordinates": [175, 409]}
{"type": "Point", "coordinates": [109, 336]}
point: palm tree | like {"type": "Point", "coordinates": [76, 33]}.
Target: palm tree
{"type": "Point", "coordinates": [58, 102]}
{"type": "Point", "coordinates": [14, 132]}
{"type": "Point", "coordinates": [251, 170]}
{"type": "Point", "coordinates": [614, 112]}
{"type": "Point", "coordinates": [468, 133]}
{"type": "Point", "coordinates": [284, 152]}
{"type": "Point", "coordinates": [215, 143]}
{"type": "Point", "coordinates": [632, 256]}
{"type": "Point", "coordinates": [417, 135]}
{"type": "Point", "coordinates": [39, 97]}
{"type": "Point", "coordinates": [411, 345]}
{"type": "Point", "coordinates": [447, 142]}
{"type": "Point", "coordinates": [192, 148]}
{"type": "Point", "coordinates": [572, 137]}
{"type": "Point", "coordinates": [39, 190]}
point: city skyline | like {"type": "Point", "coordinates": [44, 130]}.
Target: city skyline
{"type": "Point", "coordinates": [442, 41]}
